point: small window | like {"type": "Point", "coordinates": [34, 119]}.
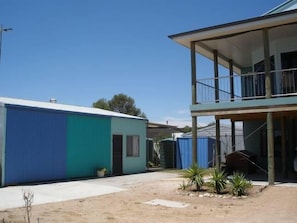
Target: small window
{"type": "Point", "coordinates": [133, 145]}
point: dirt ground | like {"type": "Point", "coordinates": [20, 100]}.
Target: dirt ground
{"type": "Point", "coordinates": [264, 204]}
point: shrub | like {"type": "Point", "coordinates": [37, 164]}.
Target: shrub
{"type": "Point", "coordinates": [194, 174]}
{"type": "Point", "coordinates": [28, 197]}
{"type": "Point", "coordinates": [183, 186]}
{"type": "Point", "coordinates": [218, 181]}
{"type": "Point", "coordinates": [239, 184]}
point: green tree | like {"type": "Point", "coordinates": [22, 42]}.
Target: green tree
{"type": "Point", "coordinates": [186, 129]}
{"type": "Point", "coordinates": [120, 103]}
{"type": "Point", "coordinates": [101, 103]}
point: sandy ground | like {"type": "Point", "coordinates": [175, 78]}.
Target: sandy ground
{"type": "Point", "coordinates": [270, 204]}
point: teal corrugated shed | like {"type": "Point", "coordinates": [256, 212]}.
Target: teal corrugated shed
{"type": "Point", "coordinates": [205, 147]}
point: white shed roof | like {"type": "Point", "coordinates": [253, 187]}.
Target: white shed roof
{"type": "Point", "coordinates": [63, 107]}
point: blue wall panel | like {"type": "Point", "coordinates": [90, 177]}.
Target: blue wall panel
{"type": "Point", "coordinates": [204, 152]}
{"type": "Point", "coordinates": [35, 145]}
{"type": "Point", "coordinates": [183, 151]}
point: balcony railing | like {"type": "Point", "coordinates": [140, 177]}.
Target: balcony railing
{"type": "Point", "coordinates": [247, 86]}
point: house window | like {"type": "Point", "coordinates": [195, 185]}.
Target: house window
{"type": "Point", "coordinates": [289, 77]}
{"type": "Point", "coordinates": [259, 79]}
{"type": "Point", "coordinates": [133, 145]}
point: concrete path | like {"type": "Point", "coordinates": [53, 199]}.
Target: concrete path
{"type": "Point", "coordinates": [12, 197]}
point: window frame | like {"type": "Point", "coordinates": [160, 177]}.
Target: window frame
{"type": "Point", "coordinates": [132, 145]}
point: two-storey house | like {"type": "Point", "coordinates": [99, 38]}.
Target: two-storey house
{"type": "Point", "coordinates": [259, 89]}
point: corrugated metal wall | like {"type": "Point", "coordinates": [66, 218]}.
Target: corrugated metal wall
{"type": "Point", "coordinates": [35, 145]}
{"type": "Point", "coordinates": [88, 145]}
{"type": "Point", "coordinates": [2, 141]}
{"type": "Point", "coordinates": [127, 127]}
{"type": "Point", "coordinates": [44, 145]}
{"type": "Point", "coordinates": [184, 153]}
{"type": "Point", "coordinates": [168, 154]}
{"type": "Point", "coordinates": [204, 152]}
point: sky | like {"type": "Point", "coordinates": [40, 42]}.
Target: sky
{"type": "Point", "coordinates": [79, 51]}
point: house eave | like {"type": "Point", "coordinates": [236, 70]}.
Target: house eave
{"type": "Point", "coordinates": [203, 37]}
{"type": "Point", "coordinates": [234, 28]}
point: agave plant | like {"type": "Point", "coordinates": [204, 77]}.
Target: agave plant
{"type": "Point", "coordinates": [194, 174]}
{"type": "Point", "coordinates": [218, 181]}
{"type": "Point", "coordinates": [239, 184]}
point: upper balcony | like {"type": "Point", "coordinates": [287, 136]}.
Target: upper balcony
{"type": "Point", "coordinates": [248, 93]}
{"type": "Point", "coordinates": [247, 86]}
{"type": "Point", "coordinates": [240, 46]}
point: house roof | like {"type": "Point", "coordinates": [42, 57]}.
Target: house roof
{"type": "Point", "coordinates": [237, 40]}
{"type": "Point", "coordinates": [63, 107]}
{"type": "Point", "coordinates": [210, 131]}
{"type": "Point", "coordinates": [161, 126]}
{"type": "Point", "coordinates": [286, 6]}
{"type": "Point", "coordinates": [157, 129]}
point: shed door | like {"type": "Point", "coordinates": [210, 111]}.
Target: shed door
{"type": "Point", "coordinates": [117, 154]}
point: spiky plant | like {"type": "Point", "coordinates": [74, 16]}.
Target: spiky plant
{"type": "Point", "coordinates": [239, 184]}
{"type": "Point", "coordinates": [194, 174]}
{"type": "Point", "coordinates": [183, 186]}
{"type": "Point", "coordinates": [218, 181]}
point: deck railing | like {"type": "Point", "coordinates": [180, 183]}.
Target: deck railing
{"type": "Point", "coordinates": [247, 86]}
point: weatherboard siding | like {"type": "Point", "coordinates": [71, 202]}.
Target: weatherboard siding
{"type": "Point", "coordinates": [88, 145]}
{"type": "Point", "coordinates": [35, 145]}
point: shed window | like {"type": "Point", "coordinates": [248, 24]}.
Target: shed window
{"type": "Point", "coordinates": [133, 145]}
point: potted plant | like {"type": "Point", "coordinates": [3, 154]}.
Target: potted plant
{"type": "Point", "coordinates": [101, 172]}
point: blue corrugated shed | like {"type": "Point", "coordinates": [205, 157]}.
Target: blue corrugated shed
{"type": "Point", "coordinates": [205, 147]}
